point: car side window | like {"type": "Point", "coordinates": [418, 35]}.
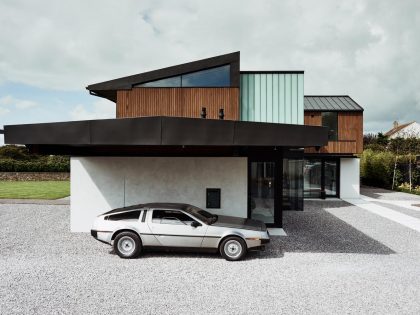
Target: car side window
{"type": "Point", "coordinates": [129, 215]}
{"type": "Point", "coordinates": [171, 217]}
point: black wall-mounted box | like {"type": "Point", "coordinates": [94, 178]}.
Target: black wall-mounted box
{"type": "Point", "coordinates": [213, 198]}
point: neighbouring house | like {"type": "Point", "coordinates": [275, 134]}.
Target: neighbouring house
{"type": "Point", "coordinates": [408, 130]}
{"type": "Point", "coordinates": [242, 143]}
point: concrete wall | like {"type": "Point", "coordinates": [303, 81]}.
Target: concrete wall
{"type": "Point", "coordinates": [99, 184]}
{"type": "Point", "coordinates": [349, 178]}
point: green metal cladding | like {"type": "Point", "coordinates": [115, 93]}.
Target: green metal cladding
{"type": "Point", "coordinates": [272, 97]}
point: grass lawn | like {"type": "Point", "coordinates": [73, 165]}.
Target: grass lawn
{"type": "Point", "coordinates": [34, 189]}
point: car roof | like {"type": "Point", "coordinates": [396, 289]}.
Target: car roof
{"type": "Point", "coordinates": [165, 205]}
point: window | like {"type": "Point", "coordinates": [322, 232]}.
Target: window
{"type": "Point", "coordinates": [213, 77]}
{"type": "Point", "coordinates": [330, 120]}
{"type": "Point", "coordinates": [219, 76]}
{"type": "Point", "coordinates": [129, 215]}
{"type": "Point", "coordinates": [321, 177]}
{"type": "Point", "coordinates": [171, 217]}
{"type": "Point", "coordinates": [168, 82]}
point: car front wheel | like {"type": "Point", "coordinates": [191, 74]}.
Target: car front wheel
{"type": "Point", "coordinates": [127, 245]}
{"type": "Point", "coordinates": [233, 248]}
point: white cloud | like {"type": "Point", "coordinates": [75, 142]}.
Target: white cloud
{"type": "Point", "coordinates": [102, 109]}
{"type": "Point", "coordinates": [4, 111]}
{"type": "Point", "coordinates": [368, 49]}
{"type": "Point", "coordinates": [18, 103]}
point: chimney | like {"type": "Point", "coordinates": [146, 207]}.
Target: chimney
{"type": "Point", "coordinates": [221, 114]}
{"type": "Point", "coordinates": [395, 124]}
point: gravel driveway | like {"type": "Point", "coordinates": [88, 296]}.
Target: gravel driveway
{"type": "Point", "coordinates": [337, 258]}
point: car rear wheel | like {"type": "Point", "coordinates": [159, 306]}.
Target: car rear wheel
{"type": "Point", "coordinates": [127, 245]}
{"type": "Point", "coordinates": [233, 248]}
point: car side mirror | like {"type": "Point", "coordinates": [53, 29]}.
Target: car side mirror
{"type": "Point", "coordinates": [195, 224]}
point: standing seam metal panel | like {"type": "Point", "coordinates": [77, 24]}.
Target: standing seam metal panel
{"type": "Point", "coordinates": [272, 97]}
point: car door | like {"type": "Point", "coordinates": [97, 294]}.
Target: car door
{"type": "Point", "coordinates": [174, 228]}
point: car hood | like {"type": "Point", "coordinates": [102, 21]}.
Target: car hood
{"type": "Point", "coordinates": [239, 223]}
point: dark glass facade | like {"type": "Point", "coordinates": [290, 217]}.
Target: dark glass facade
{"type": "Point", "coordinates": [213, 77]}
{"type": "Point", "coordinates": [262, 193]}
{"type": "Point", "coordinates": [321, 177]}
{"type": "Point", "coordinates": [292, 196]}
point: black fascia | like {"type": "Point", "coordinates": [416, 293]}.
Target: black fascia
{"type": "Point", "coordinates": [108, 89]}
{"type": "Point", "coordinates": [165, 132]}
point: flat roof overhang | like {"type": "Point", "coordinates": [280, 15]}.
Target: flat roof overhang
{"type": "Point", "coordinates": [149, 134]}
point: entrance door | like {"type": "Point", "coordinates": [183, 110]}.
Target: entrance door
{"type": "Point", "coordinates": [263, 192]}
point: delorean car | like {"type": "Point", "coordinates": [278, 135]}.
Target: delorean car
{"type": "Point", "coordinates": [130, 230]}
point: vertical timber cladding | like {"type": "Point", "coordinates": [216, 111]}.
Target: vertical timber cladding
{"type": "Point", "coordinates": [272, 97]}
{"type": "Point", "coordinates": [350, 132]}
{"type": "Point", "coordinates": [180, 102]}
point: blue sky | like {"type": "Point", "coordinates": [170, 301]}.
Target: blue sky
{"type": "Point", "coordinates": [50, 50]}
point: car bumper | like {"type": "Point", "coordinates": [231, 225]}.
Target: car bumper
{"type": "Point", "coordinates": [101, 236]}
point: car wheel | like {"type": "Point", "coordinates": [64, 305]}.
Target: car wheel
{"type": "Point", "coordinates": [127, 245]}
{"type": "Point", "coordinates": [233, 248]}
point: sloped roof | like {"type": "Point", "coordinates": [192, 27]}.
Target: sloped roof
{"type": "Point", "coordinates": [108, 89]}
{"type": "Point", "coordinates": [397, 129]}
{"type": "Point", "coordinates": [331, 103]}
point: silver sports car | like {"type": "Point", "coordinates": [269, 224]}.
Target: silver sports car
{"type": "Point", "coordinates": [180, 226]}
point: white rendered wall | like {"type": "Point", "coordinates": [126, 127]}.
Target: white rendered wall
{"type": "Point", "coordinates": [349, 178]}
{"type": "Point", "coordinates": [99, 184]}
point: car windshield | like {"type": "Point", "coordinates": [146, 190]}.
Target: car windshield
{"type": "Point", "coordinates": [202, 215]}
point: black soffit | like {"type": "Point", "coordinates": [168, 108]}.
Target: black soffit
{"type": "Point", "coordinates": [165, 131]}
{"type": "Point", "coordinates": [108, 89]}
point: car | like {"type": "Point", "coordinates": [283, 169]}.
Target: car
{"type": "Point", "coordinates": [130, 230]}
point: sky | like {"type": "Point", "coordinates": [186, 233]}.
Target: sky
{"type": "Point", "coordinates": [51, 50]}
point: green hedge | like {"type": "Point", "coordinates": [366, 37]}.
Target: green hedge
{"type": "Point", "coordinates": [18, 159]}
{"type": "Point", "coordinates": [376, 168]}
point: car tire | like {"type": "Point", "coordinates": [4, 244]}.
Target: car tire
{"type": "Point", "coordinates": [127, 245]}
{"type": "Point", "coordinates": [233, 248]}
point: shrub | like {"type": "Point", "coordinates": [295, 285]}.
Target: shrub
{"type": "Point", "coordinates": [377, 168]}
{"type": "Point", "coordinates": [18, 159]}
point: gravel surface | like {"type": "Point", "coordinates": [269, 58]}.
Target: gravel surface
{"type": "Point", "coordinates": [337, 259]}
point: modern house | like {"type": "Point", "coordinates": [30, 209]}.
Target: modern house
{"type": "Point", "coordinates": [242, 143]}
{"type": "Point", "coordinates": [408, 130]}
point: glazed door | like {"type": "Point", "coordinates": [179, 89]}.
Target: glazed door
{"type": "Point", "coordinates": [263, 192]}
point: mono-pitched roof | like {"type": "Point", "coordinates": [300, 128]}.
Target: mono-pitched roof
{"type": "Point", "coordinates": [397, 129]}
{"type": "Point", "coordinates": [331, 103]}
{"type": "Point", "coordinates": [108, 89]}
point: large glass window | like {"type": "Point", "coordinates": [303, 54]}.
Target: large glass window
{"type": "Point", "coordinates": [213, 77]}
{"type": "Point", "coordinates": [320, 178]}
{"type": "Point", "coordinates": [331, 178]}
{"type": "Point", "coordinates": [330, 120]}
{"type": "Point", "coordinates": [292, 184]}
{"type": "Point", "coordinates": [262, 191]}
{"type": "Point", "coordinates": [312, 178]}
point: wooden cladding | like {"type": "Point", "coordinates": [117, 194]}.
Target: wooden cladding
{"type": "Point", "coordinates": [180, 102]}
{"type": "Point", "coordinates": [350, 133]}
